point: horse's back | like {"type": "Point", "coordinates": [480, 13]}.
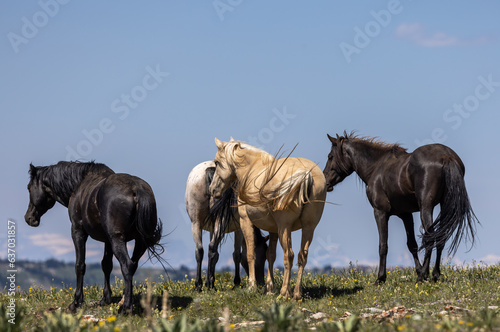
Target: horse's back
{"type": "Point", "coordinates": [122, 184]}
{"type": "Point", "coordinates": [293, 165]}
{"type": "Point", "coordinates": [197, 200]}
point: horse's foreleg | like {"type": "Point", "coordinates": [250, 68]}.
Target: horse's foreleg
{"type": "Point", "coordinates": [79, 240]}
{"type": "Point", "coordinates": [271, 257]}
{"type": "Point", "coordinates": [198, 240]}
{"type": "Point", "coordinates": [237, 256]}
{"type": "Point", "coordinates": [382, 219]}
{"type": "Point", "coordinates": [247, 230]}
{"type": "Point", "coordinates": [107, 267]}
{"type": "Point", "coordinates": [288, 255]}
{"type": "Point", "coordinates": [411, 242]}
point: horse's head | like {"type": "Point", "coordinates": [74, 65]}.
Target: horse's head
{"type": "Point", "coordinates": [339, 164]}
{"type": "Point", "coordinates": [41, 199]}
{"type": "Point", "coordinates": [225, 173]}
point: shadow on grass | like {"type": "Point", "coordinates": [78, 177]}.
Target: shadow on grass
{"type": "Point", "coordinates": [178, 302]}
{"type": "Point", "coordinates": [318, 292]}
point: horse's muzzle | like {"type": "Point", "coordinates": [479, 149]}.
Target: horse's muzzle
{"type": "Point", "coordinates": [215, 194]}
{"type": "Point", "coordinates": [32, 221]}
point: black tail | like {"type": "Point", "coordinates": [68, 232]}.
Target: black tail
{"type": "Point", "coordinates": [223, 209]}
{"type": "Point", "coordinates": [456, 214]}
{"type": "Point", "coordinates": [148, 225]}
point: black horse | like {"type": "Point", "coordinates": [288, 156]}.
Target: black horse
{"type": "Point", "coordinates": [399, 183]}
{"type": "Point", "coordinates": [111, 208]}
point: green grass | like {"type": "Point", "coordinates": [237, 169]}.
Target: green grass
{"type": "Point", "coordinates": [459, 302]}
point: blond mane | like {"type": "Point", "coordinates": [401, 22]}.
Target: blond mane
{"type": "Point", "coordinates": [235, 153]}
{"type": "Point", "coordinates": [291, 191]}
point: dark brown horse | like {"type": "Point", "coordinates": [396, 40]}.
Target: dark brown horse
{"type": "Point", "coordinates": [399, 183]}
{"type": "Point", "coordinates": [111, 208]}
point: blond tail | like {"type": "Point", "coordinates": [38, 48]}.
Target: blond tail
{"type": "Point", "coordinates": [293, 191]}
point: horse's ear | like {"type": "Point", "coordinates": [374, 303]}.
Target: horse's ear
{"type": "Point", "coordinates": [333, 140]}
{"type": "Point", "coordinates": [232, 140]}
{"type": "Point", "coordinates": [218, 143]}
{"type": "Point", "coordinates": [32, 170]}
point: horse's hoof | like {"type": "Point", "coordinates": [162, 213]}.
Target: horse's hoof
{"type": "Point", "coordinates": [285, 295]}
{"type": "Point", "coordinates": [72, 307]}
{"type": "Point", "coordinates": [124, 311]}
{"type": "Point", "coordinates": [104, 302]}
{"type": "Point", "coordinates": [269, 289]}
{"type": "Point", "coordinates": [379, 282]}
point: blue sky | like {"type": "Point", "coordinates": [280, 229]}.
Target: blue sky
{"type": "Point", "coordinates": [145, 87]}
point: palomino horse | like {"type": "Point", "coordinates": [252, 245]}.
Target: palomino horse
{"type": "Point", "coordinates": [111, 208]}
{"type": "Point", "coordinates": [219, 217]}
{"type": "Point", "coordinates": [399, 183]}
{"type": "Point", "coordinates": [279, 196]}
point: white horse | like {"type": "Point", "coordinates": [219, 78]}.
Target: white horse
{"type": "Point", "coordinates": [219, 217]}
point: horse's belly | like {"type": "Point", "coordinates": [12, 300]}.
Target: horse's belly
{"type": "Point", "coordinates": [95, 232]}
{"type": "Point", "coordinates": [404, 204]}
{"type": "Point", "coordinates": [262, 219]}
{"type": "Point", "coordinates": [265, 219]}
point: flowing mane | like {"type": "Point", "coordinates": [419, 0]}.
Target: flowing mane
{"type": "Point", "coordinates": [374, 142]}
{"type": "Point", "coordinates": [292, 190]}
{"type": "Point", "coordinates": [235, 152]}
{"type": "Point", "coordinates": [65, 177]}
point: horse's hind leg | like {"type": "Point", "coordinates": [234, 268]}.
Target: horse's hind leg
{"type": "Point", "coordinates": [128, 267]}
{"type": "Point", "coordinates": [79, 239]}
{"type": "Point", "coordinates": [198, 240]}
{"type": "Point", "coordinates": [436, 273]}
{"type": "Point", "coordinates": [411, 242]}
{"type": "Point", "coordinates": [284, 234]}
{"type": "Point", "coordinates": [426, 217]}
{"type": "Point", "coordinates": [307, 236]}
{"type": "Point", "coordinates": [271, 257]}
{"type": "Point", "coordinates": [107, 267]}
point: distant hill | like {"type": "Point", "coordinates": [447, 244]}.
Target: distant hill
{"type": "Point", "coordinates": [54, 273]}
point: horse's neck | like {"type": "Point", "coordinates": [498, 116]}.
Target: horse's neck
{"type": "Point", "coordinates": [63, 186]}
{"type": "Point", "coordinates": [254, 160]}
{"type": "Point", "coordinates": [364, 158]}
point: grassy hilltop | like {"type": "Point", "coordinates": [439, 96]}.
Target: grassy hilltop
{"type": "Point", "coordinates": [466, 299]}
